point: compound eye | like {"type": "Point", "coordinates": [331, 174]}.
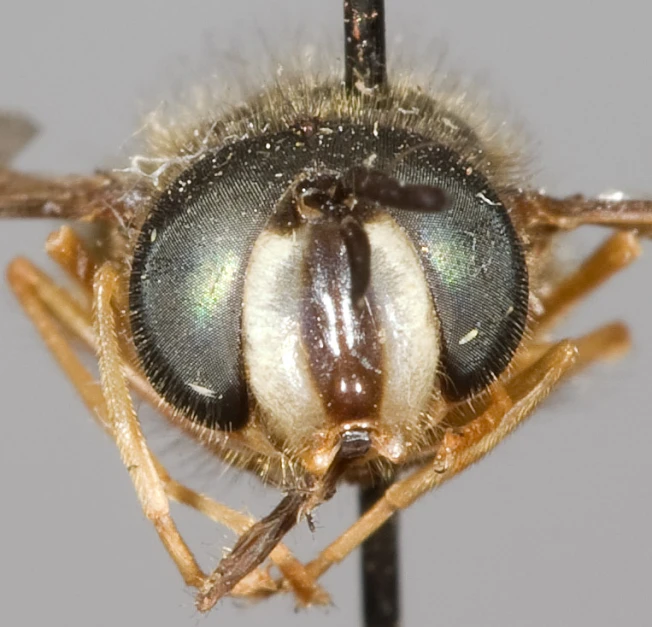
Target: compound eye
{"type": "Point", "coordinates": [187, 281]}
{"type": "Point", "coordinates": [475, 268]}
{"type": "Point", "coordinates": [185, 297]}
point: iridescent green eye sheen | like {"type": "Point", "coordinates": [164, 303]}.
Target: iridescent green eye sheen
{"type": "Point", "coordinates": [191, 256]}
{"type": "Point", "coordinates": [474, 266]}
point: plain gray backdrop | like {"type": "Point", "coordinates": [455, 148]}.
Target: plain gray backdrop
{"type": "Point", "coordinates": [552, 529]}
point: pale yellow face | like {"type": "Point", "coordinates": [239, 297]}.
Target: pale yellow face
{"type": "Point", "coordinates": [277, 362]}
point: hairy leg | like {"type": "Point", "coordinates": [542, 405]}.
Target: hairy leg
{"type": "Point", "coordinates": [512, 403]}
{"type": "Point", "coordinates": [142, 470]}
{"type": "Point", "coordinates": [99, 196]}
{"type": "Point", "coordinates": [50, 307]}
{"type": "Point", "coordinates": [127, 433]}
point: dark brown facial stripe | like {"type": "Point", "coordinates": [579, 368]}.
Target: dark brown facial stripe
{"type": "Point", "coordinates": [357, 247]}
{"type": "Point", "coordinates": [345, 355]}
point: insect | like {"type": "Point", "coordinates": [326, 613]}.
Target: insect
{"type": "Point", "coordinates": [460, 338]}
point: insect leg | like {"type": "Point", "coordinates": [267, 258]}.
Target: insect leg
{"type": "Point", "coordinates": [74, 197]}
{"type": "Point", "coordinates": [53, 310]}
{"type": "Point", "coordinates": [621, 249]}
{"type": "Point", "coordinates": [607, 342]}
{"type": "Point", "coordinates": [69, 251]}
{"type": "Point", "coordinates": [144, 476]}
{"type": "Point", "coordinates": [513, 402]}
{"type": "Point", "coordinates": [510, 407]}
{"type": "Point", "coordinates": [302, 584]}
{"type": "Point", "coordinates": [538, 211]}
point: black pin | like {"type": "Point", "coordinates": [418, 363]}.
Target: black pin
{"type": "Point", "coordinates": [364, 45]}
{"type": "Point", "coordinates": [365, 71]}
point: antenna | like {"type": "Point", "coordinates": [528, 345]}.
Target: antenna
{"type": "Point", "coordinates": [365, 67]}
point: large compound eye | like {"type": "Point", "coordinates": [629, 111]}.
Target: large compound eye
{"type": "Point", "coordinates": [474, 265]}
{"type": "Point", "coordinates": [185, 297]}
{"type": "Point", "coordinates": [188, 273]}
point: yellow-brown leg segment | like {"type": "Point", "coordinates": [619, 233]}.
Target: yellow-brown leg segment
{"type": "Point", "coordinates": [537, 211]}
{"type": "Point", "coordinates": [69, 251]}
{"type": "Point", "coordinates": [621, 249]}
{"type": "Point", "coordinates": [294, 572]}
{"type": "Point", "coordinates": [127, 433]}
{"type": "Point", "coordinates": [608, 342]}
{"type": "Point", "coordinates": [512, 403]}
{"type": "Point", "coordinates": [19, 279]}
{"type": "Point", "coordinates": [48, 306]}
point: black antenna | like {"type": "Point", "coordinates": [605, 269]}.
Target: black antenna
{"type": "Point", "coordinates": [364, 45]}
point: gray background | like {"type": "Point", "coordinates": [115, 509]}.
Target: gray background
{"type": "Point", "coordinates": [552, 529]}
